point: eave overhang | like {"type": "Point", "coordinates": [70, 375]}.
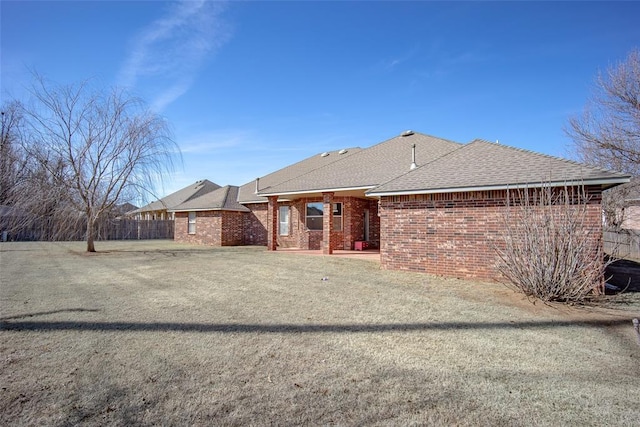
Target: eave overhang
{"type": "Point", "coordinates": [605, 183]}
{"type": "Point", "coordinates": [207, 209]}
{"type": "Point", "coordinates": [315, 191]}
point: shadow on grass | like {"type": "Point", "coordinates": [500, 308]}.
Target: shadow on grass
{"type": "Point", "coordinates": [44, 313]}
{"type": "Point", "coordinates": [52, 326]}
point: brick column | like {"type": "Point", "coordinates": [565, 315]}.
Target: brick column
{"type": "Point", "coordinates": [272, 223]}
{"type": "Point", "coordinates": [327, 223]}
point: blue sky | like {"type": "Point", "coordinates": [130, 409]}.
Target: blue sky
{"type": "Point", "coordinates": [250, 87]}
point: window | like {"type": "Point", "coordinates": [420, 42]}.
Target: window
{"type": "Point", "coordinates": [192, 223]}
{"type": "Point", "coordinates": [314, 216]}
{"type": "Point", "coordinates": [337, 217]}
{"type": "Point", "coordinates": [283, 216]}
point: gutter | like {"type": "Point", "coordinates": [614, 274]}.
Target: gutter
{"type": "Point", "coordinates": [319, 190]}
{"type": "Point", "coordinates": [604, 181]}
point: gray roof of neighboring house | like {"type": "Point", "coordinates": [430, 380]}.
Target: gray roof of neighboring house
{"type": "Point", "coordinates": [192, 191]}
{"type": "Point", "coordinates": [291, 172]}
{"type": "Point", "coordinates": [365, 168]}
{"type": "Point", "coordinates": [485, 165]}
{"type": "Point", "coordinates": [224, 198]}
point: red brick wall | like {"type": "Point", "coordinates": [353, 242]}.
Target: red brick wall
{"type": "Point", "coordinates": [215, 228]}
{"type": "Point", "coordinates": [451, 234]}
{"type": "Point", "coordinates": [208, 226]}
{"type": "Point", "coordinates": [352, 224]}
{"type": "Point", "coordinates": [225, 228]}
{"type": "Point", "coordinates": [255, 225]}
{"type": "Point", "coordinates": [232, 228]}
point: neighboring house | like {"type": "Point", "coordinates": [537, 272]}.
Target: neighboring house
{"type": "Point", "coordinates": [159, 210]}
{"type": "Point", "coordinates": [215, 218]}
{"type": "Point", "coordinates": [631, 210]}
{"type": "Point", "coordinates": [124, 210]}
{"type": "Point", "coordinates": [427, 203]}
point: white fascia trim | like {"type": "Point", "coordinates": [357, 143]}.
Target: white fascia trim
{"type": "Point", "coordinates": [320, 190]}
{"type": "Point", "coordinates": [261, 201]}
{"type": "Point", "coordinates": [500, 187]}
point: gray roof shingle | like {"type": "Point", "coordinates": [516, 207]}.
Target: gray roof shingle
{"type": "Point", "coordinates": [194, 190]}
{"type": "Point", "coordinates": [366, 168]}
{"type": "Point", "coordinates": [224, 198]}
{"type": "Point", "coordinates": [482, 164]}
{"type": "Point", "coordinates": [291, 172]}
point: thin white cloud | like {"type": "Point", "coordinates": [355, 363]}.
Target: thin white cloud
{"type": "Point", "coordinates": [167, 54]}
{"type": "Point", "coordinates": [212, 142]}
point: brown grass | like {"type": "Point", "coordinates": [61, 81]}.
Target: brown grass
{"type": "Point", "coordinates": [157, 333]}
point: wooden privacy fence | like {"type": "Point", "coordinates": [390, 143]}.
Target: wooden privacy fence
{"type": "Point", "coordinates": [133, 229]}
{"type": "Point", "coordinates": [110, 229]}
{"type": "Point", "coordinates": [622, 244]}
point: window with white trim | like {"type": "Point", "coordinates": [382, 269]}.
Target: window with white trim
{"type": "Point", "coordinates": [192, 223]}
{"type": "Point", "coordinates": [283, 220]}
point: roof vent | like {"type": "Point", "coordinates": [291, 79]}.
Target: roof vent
{"type": "Point", "coordinates": [325, 154]}
{"type": "Point", "coordinates": [407, 133]}
{"type": "Point", "coordinates": [344, 150]}
{"type": "Point", "coordinates": [413, 157]}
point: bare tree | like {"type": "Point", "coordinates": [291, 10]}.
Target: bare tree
{"type": "Point", "coordinates": [11, 158]}
{"type": "Point", "coordinates": [91, 150]}
{"type": "Point", "coordinates": [607, 134]}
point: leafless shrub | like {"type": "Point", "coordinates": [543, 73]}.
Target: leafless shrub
{"type": "Point", "coordinates": [549, 247]}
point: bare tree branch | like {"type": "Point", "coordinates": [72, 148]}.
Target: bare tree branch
{"type": "Point", "coordinates": [607, 134]}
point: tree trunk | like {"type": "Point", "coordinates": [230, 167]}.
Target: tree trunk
{"type": "Point", "coordinates": [90, 234]}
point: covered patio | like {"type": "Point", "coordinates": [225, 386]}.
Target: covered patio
{"type": "Point", "coordinates": [367, 254]}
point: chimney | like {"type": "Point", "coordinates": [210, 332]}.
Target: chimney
{"type": "Point", "coordinates": [413, 157]}
{"type": "Point", "coordinates": [257, 185]}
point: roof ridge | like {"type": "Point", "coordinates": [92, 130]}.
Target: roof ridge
{"type": "Point", "coordinates": [537, 153]}
{"type": "Point", "coordinates": [201, 191]}
{"type": "Point", "coordinates": [365, 155]}
{"type": "Point", "coordinates": [315, 169]}
{"type": "Point", "coordinates": [461, 146]}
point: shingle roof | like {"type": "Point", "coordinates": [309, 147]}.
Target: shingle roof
{"type": "Point", "coordinates": [482, 164]}
{"type": "Point", "coordinates": [247, 191]}
{"type": "Point", "coordinates": [194, 190]}
{"type": "Point", "coordinates": [224, 198]}
{"type": "Point", "coordinates": [366, 168]}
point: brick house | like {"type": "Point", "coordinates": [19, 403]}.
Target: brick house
{"type": "Point", "coordinates": [427, 203]}
{"type": "Point", "coordinates": [214, 218]}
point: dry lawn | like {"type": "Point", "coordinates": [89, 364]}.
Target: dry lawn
{"type": "Point", "coordinates": [157, 333]}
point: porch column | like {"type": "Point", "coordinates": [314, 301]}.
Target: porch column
{"type": "Point", "coordinates": [272, 223]}
{"type": "Point", "coordinates": [327, 223]}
